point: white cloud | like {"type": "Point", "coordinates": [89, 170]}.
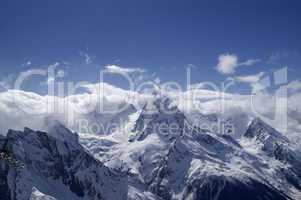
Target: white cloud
{"type": "Point", "coordinates": [12, 113]}
{"type": "Point", "coordinates": [254, 78]}
{"type": "Point", "coordinates": [249, 62]}
{"type": "Point", "coordinates": [201, 85]}
{"type": "Point", "coordinates": [19, 109]}
{"type": "Point", "coordinates": [227, 63]}
{"type": "Point", "coordinates": [294, 86]}
{"type": "Point", "coordinates": [256, 81]}
{"type": "Point", "coordinates": [123, 70]}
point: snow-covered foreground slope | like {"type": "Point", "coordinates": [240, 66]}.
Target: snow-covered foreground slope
{"type": "Point", "coordinates": [56, 165]}
{"type": "Point", "coordinates": [37, 195]}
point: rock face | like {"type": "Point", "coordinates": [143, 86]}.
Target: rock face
{"type": "Point", "coordinates": [264, 133]}
{"type": "Point", "coordinates": [277, 146]}
{"type": "Point", "coordinates": [160, 118]}
{"type": "Point", "coordinates": [57, 165]}
{"type": "Point", "coordinates": [200, 165]}
{"type": "Point", "coordinates": [224, 188]}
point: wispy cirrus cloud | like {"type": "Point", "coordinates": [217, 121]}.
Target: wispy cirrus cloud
{"type": "Point", "coordinates": [227, 63]}
{"type": "Point", "coordinates": [123, 70]}
{"type": "Point", "coordinates": [87, 58]}
{"type": "Point", "coordinates": [279, 56]}
{"type": "Point", "coordinates": [254, 78]}
{"type": "Point", "coordinates": [256, 81]}
{"type": "Point", "coordinates": [28, 63]}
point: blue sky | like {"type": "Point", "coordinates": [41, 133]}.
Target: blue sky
{"type": "Point", "coordinates": [162, 37]}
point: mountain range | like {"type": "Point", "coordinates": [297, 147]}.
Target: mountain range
{"type": "Point", "coordinates": [152, 155]}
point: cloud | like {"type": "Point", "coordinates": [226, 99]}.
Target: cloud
{"type": "Point", "coordinates": [28, 63]}
{"type": "Point", "coordinates": [293, 87]}
{"type": "Point", "coordinates": [227, 63]}
{"type": "Point", "coordinates": [19, 108]}
{"type": "Point", "coordinates": [87, 58]}
{"type": "Point", "coordinates": [279, 56]}
{"type": "Point", "coordinates": [12, 106]}
{"type": "Point", "coordinates": [249, 78]}
{"type": "Point", "coordinates": [201, 85]}
{"type": "Point", "coordinates": [256, 81]}
{"type": "Point", "coordinates": [249, 62]}
{"type": "Point", "coordinates": [123, 70]}
{"type": "Point", "coordinates": [54, 73]}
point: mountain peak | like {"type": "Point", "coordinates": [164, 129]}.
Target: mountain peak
{"type": "Point", "coordinates": [160, 116]}
{"type": "Point", "coordinates": [160, 104]}
{"type": "Point", "coordinates": [56, 167]}
{"type": "Point", "coordinates": [261, 131]}
{"type": "Point", "coordinates": [272, 142]}
{"type": "Point", "coordinates": [59, 131]}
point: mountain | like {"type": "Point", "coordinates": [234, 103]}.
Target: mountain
{"type": "Point", "coordinates": [157, 153]}
{"type": "Point", "coordinates": [157, 118]}
{"type": "Point", "coordinates": [261, 131]}
{"type": "Point", "coordinates": [202, 165]}
{"type": "Point", "coordinates": [234, 124]}
{"type": "Point", "coordinates": [272, 143]}
{"type": "Point", "coordinates": [173, 159]}
{"type": "Point", "coordinates": [56, 165]}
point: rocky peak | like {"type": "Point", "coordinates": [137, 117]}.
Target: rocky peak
{"type": "Point", "coordinates": [160, 117]}
{"type": "Point", "coordinates": [59, 131]}
{"type": "Point", "coordinates": [272, 142]}
{"type": "Point", "coordinates": [48, 162]}
{"type": "Point", "coordinates": [261, 131]}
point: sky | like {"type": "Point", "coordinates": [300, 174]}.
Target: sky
{"type": "Point", "coordinates": [154, 40]}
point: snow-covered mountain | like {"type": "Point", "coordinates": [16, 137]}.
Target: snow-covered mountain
{"type": "Point", "coordinates": [192, 162]}
{"type": "Point", "coordinates": [157, 153]}
{"type": "Point", "coordinates": [266, 141]}
{"type": "Point", "coordinates": [56, 165]}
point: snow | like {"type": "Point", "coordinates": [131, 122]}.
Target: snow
{"type": "Point", "coordinates": [37, 195]}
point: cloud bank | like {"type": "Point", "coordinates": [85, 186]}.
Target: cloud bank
{"type": "Point", "coordinates": [19, 108]}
